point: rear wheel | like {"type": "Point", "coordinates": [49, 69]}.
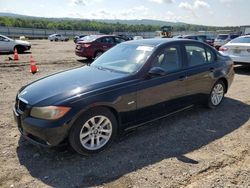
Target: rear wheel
{"type": "Point", "coordinates": [93, 132]}
{"type": "Point", "coordinates": [217, 94]}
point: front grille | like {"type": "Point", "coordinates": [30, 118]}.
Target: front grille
{"type": "Point", "coordinates": [21, 105]}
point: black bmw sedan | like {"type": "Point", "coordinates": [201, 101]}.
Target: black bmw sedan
{"type": "Point", "coordinates": [133, 83]}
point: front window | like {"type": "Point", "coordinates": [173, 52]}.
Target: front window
{"type": "Point", "coordinates": [126, 58]}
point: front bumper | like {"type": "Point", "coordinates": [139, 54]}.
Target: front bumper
{"type": "Point", "coordinates": [46, 137]}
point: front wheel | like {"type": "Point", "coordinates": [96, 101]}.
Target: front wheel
{"type": "Point", "coordinates": [93, 132]}
{"type": "Point", "coordinates": [217, 94]}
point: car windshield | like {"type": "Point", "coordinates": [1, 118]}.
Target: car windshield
{"type": "Point", "coordinates": [222, 37]}
{"type": "Point", "coordinates": [241, 40]}
{"type": "Point", "coordinates": [125, 58]}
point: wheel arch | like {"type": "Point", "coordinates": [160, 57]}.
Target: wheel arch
{"type": "Point", "coordinates": [85, 110]}
{"type": "Point", "coordinates": [224, 80]}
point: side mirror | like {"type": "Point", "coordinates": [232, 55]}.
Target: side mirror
{"type": "Point", "coordinates": [156, 71]}
{"type": "Point", "coordinates": [6, 40]}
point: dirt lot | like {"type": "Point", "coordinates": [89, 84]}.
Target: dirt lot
{"type": "Point", "coordinates": [195, 148]}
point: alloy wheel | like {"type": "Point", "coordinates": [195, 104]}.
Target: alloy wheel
{"type": "Point", "coordinates": [95, 132]}
{"type": "Point", "coordinates": [217, 94]}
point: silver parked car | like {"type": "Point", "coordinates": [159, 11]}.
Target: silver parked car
{"type": "Point", "coordinates": [58, 37]}
{"type": "Point", "coordinates": [8, 45]}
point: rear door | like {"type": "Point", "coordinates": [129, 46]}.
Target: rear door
{"type": "Point", "coordinates": [200, 66]}
{"type": "Point", "coordinates": [160, 95]}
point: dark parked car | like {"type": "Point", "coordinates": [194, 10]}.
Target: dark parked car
{"type": "Point", "coordinates": [203, 38]}
{"type": "Point", "coordinates": [131, 84]}
{"type": "Point", "coordinates": [96, 45]}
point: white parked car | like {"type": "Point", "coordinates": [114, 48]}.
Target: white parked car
{"type": "Point", "coordinates": [8, 45]}
{"type": "Point", "coordinates": [238, 49]}
{"type": "Point", "coordinates": [58, 37]}
{"type": "Point", "coordinates": [222, 39]}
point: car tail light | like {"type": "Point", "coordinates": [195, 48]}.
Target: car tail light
{"type": "Point", "coordinates": [86, 45]}
{"type": "Point", "coordinates": [223, 49]}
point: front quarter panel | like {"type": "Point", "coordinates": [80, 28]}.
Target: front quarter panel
{"type": "Point", "coordinates": [121, 100]}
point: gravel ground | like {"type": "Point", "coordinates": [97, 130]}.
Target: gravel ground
{"type": "Point", "coordinates": [195, 148]}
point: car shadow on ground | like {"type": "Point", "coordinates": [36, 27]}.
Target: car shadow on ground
{"type": "Point", "coordinates": [11, 53]}
{"type": "Point", "coordinates": [174, 136]}
{"type": "Point", "coordinates": [85, 61]}
{"type": "Point", "coordinates": [242, 69]}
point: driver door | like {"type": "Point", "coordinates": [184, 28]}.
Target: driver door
{"type": "Point", "coordinates": [160, 95]}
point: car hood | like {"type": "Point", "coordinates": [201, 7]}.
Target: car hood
{"type": "Point", "coordinates": [66, 84]}
{"type": "Point", "coordinates": [22, 42]}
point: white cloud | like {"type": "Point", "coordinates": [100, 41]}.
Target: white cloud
{"type": "Point", "coordinates": [196, 5]}
{"type": "Point", "coordinates": [201, 4]}
{"type": "Point", "coordinates": [185, 5]}
{"type": "Point", "coordinates": [78, 2]}
{"type": "Point", "coordinates": [163, 1]}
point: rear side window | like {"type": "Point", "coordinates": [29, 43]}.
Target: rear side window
{"type": "Point", "coordinates": [198, 55]}
{"type": "Point", "coordinates": [107, 40]}
{"type": "Point", "coordinates": [168, 59]}
{"type": "Point", "coordinates": [241, 40]}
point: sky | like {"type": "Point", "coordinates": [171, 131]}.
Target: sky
{"type": "Point", "coordinates": [204, 12]}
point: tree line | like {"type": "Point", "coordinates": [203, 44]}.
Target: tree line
{"type": "Point", "coordinates": [91, 25]}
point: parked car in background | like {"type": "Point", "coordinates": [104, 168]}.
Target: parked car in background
{"type": "Point", "coordinates": [222, 39]}
{"type": "Point", "coordinates": [76, 38]}
{"type": "Point", "coordinates": [137, 37]}
{"type": "Point", "coordinates": [203, 38]}
{"type": "Point", "coordinates": [95, 45]}
{"type": "Point", "coordinates": [126, 37]}
{"type": "Point", "coordinates": [132, 83]}
{"type": "Point", "coordinates": [57, 37]}
{"type": "Point", "coordinates": [8, 45]}
{"type": "Point", "coordinates": [178, 36]}
{"type": "Point", "coordinates": [238, 49]}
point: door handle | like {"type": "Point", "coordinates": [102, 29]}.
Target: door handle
{"type": "Point", "coordinates": [182, 78]}
{"type": "Point", "coordinates": [211, 69]}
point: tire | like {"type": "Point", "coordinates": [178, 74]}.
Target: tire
{"type": "Point", "coordinates": [216, 95]}
{"type": "Point", "coordinates": [103, 129]}
{"type": "Point", "coordinates": [51, 40]}
{"type": "Point", "coordinates": [98, 54]}
{"type": "Point", "coordinates": [56, 39]}
{"type": "Point", "coordinates": [20, 49]}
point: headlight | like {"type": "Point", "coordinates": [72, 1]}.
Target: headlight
{"type": "Point", "coordinates": [49, 112]}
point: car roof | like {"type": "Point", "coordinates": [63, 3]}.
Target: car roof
{"type": "Point", "coordinates": [156, 41]}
